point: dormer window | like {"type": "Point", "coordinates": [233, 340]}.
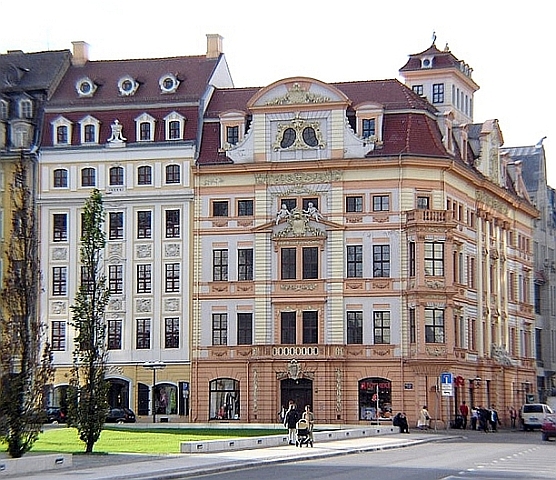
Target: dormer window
{"type": "Point", "coordinates": [61, 131]}
{"type": "Point", "coordinates": [4, 110]}
{"type": "Point", "coordinates": [174, 126]}
{"type": "Point", "coordinates": [369, 121]}
{"type": "Point", "coordinates": [90, 129]}
{"type": "Point", "coordinates": [144, 128]}
{"type": "Point", "coordinates": [85, 87]}
{"type": "Point", "coordinates": [232, 128]}
{"type": "Point", "coordinates": [127, 86]}
{"type": "Point", "coordinates": [25, 109]}
{"type": "Point", "coordinates": [168, 83]}
{"type": "Point", "coordinates": [369, 127]}
{"type": "Point", "coordinates": [426, 62]}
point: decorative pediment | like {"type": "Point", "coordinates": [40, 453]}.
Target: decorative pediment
{"type": "Point", "coordinates": [296, 95]}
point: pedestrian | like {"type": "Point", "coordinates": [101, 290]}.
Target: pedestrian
{"type": "Point", "coordinates": [400, 421]}
{"type": "Point", "coordinates": [290, 422]}
{"type": "Point", "coordinates": [513, 416]}
{"type": "Point", "coordinates": [484, 419]}
{"type": "Point", "coordinates": [423, 421]}
{"type": "Point", "coordinates": [464, 412]}
{"type": "Point", "coordinates": [474, 418]}
{"type": "Point", "coordinates": [310, 418]}
{"type": "Point", "coordinates": [494, 419]}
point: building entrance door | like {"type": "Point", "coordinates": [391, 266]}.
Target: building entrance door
{"type": "Point", "coordinates": [300, 391]}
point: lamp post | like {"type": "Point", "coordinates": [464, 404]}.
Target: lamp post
{"type": "Point", "coordinates": [154, 366]}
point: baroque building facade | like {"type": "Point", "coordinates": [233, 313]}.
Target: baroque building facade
{"type": "Point", "coordinates": [334, 244]}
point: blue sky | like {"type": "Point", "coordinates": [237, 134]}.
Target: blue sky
{"type": "Point", "coordinates": [508, 46]}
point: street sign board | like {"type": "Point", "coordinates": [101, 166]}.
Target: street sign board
{"type": "Point", "coordinates": [447, 384]}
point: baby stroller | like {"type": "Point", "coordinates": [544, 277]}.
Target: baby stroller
{"type": "Point", "coordinates": [303, 433]}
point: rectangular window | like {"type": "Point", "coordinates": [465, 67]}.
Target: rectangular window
{"type": "Point", "coordinates": [60, 224]}
{"type": "Point", "coordinates": [220, 265]}
{"type": "Point", "coordinates": [143, 334]}
{"type": "Point", "coordinates": [220, 208]}
{"type": "Point", "coordinates": [232, 135]}
{"type": "Point", "coordinates": [172, 277]}
{"type": "Point", "coordinates": [59, 281]}
{"type": "Point", "coordinates": [290, 203]}
{"type": "Point", "coordinates": [434, 258]}
{"type": "Point", "coordinates": [381, 327]}
{"type": "Point", "coordinates": [288, 263]}
{"type": "Point", "coordinates": [438, 93]}
{"type": "Point", "coordinates": [58, 336]}
{"type": "Point", "coordinates": [369, 127]}
{"type": "Point", "coordinates": [310, 327]}
{"type": "Point", "coordinates": [418, 89]}
{"type": "Point", "coordinates": [434, 325]}
{"type": "Point", "coordinates": [116, 279]}
{"type": "Point", "coordinates": [172, 223]}
{"type": "Point", "coordinates": [354, 327]}
{"type": "Point", "coordinates": [423, 203]}
{"type": "Point", "coordinates": [245, 208]}
{"type": "Point", "coordinates": [287, 328]}
{"type": "Point", "coordinates": [89, 134]}
{"type": "Point", "coordinates": [381, 261]}
{"type": "Point", "coordinates": [310, 262]}
{"type": "Point", "coordinates": [411, 247]}
{"type": "Point", "coordinates": [174, 130]}
{"type": "Point", "coordinates": [114, 334]}
{"type": "Point", "coordinates": [144, 131]}
{"type": "Point", "coordinates": [220, 329]}
{"type": "Point", "coordinates": [144, 175]}
{"type": "Point", "coordinates": [87, 279]}
{"type": "Point", "coordinates": [244, 328]}
{"type": "Point", "coordinates": [144, 278]}
{"type": "Point", "coordinates": [354, 204]}
{"type": "Point", "coordinates": [355, 261]}
{"type": "Point", "coordinates": [381, 203]}
{"type": "Point", "coordinates": [172, 332]}
{"type": "Point", "coordinates": [412, 326]}
{"type": "Point", "coordinates": [62, 134]}
{"type": "Point", "coordinates": [245, 264]}
{"type": "Point", "coordinates": [144, 228]}
{"type": "Point", "coordinates": [115, 225]}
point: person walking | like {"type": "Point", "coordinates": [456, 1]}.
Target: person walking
{"type": "Point", "coordinates": [310, 418]}
{"type": "Point", "coordinates": [474, 418]}
{"type": "Point", "coordinates": [513, 416]}
{"type": "Point", "coordinates": [290, 422]}
{"type": "Point", "coordinates": [464, 412]}
{"type": "Point", "coordinates": [424, 419]}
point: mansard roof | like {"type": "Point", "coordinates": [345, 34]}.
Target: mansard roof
{"type": "Point", "coordinates": [441, 59]}
{"type": "Point", "coordinates": [193, 73]}
{"type": "Point", "coordinates": [28, 72]}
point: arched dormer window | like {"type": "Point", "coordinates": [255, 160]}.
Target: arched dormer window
{"type": "Point", "coordinates": [25, 108]}
{"type": "Point", "coordinates": [61, 131]}
{"type": "Point", "coordinates": [144, 128]}
{"type": "Point", "coordinates": [90, 130]}
{"type": "Point", "coordinates": [174, 126]}
{"type": "Point", "coordinates": [232, 128]}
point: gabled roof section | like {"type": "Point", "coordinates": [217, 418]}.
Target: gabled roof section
{"type": "Point", "coordinates": [27, 72]}
{"type": "Point", "coordinates": [193, 73]}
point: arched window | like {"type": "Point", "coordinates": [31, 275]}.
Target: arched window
{"type": "Point", "coordinates": [144, 175]}
{"type": "Point", "coordinates": [375, 398]}
{"type": "Point", "coordinates": [224, 399]}
{"type": "Point", "coordinates": [172, 174]}
{"type": "Point", "coordinates": [60, 178]}
{"type": "Point", "coordinates": [88, 177]}
{"type": "Point", "coordinates": [117, 176]}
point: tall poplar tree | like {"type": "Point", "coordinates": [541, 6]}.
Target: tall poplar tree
{"type": "Point", "coordinates": [88, 386]}
{"type": "Point", "coordinates": [25, 358]}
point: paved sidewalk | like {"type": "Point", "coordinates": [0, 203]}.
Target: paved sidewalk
{"type": "Point", "coordinates": [122, 466]}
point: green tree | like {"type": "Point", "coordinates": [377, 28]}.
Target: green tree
{"type": "Point", "coordinates": [88, 386]}
{"type": "Point", "coordinates": [25, 357]}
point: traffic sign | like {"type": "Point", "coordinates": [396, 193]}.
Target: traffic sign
{"type": "Point", "coordinates": [447, 384]}
{"type": "Point", "coordinates": [446, 378]}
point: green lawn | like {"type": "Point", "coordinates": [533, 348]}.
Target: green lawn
{"type": "Point", "coordinates": [155, 441]}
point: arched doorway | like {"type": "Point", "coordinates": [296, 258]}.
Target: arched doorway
{"type": "Point", "coordinates": [118, 393]}
{"type": "Point", "coordinates": [375, 398]}
{"type": "Point", "coordinates": [300, 391]}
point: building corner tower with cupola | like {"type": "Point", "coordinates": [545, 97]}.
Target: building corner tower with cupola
{"type": "Point", "coordinates": [352, 241]}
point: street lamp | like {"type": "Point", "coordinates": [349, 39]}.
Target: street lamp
{"type": "Point", "coordinates": [154, 366]}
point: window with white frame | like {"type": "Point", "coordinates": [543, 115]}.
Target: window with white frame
{"type": "Point", "coordinates": [60, 178]}
{"type": "Point", "coordinates": [127, 86]}
{"type": "Point", "coordinates": [144, 128]}
{"type": "Point", "coordinates": [174, 126]}
{"type": "Point", "coordinates": [232, 128]}
{"type": "Point", "coordinates": [369, 120]}
{"type": "Point", "coordinates": [89, 129]}
{"type": "Point", "coordinates": [85, 87]}
{"type": "Point", "coordinates": [61, 131]}
{"type": "Point", "coordinates": [25, 108]}
{"type": "Point", "coordinates": [4, 110]}
{"type": "Point", "coordinates": [168, 83]}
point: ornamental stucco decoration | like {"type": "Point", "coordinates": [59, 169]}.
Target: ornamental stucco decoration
{"type": "Point", "coordinates": [298, 178]}
{"type": "Point", "coordinates": [299, 126]}
{"type": "Point", "coordinates": [298, 95]}
{"type": "Point", "coordinates": [298, 226]}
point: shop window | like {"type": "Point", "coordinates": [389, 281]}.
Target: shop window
{"type": "Point", "coordinates": [375, 398]}
{"type": "Point", "coordinates": [166, 399]}
{"type": "Point", "coordinates": [224, 399]}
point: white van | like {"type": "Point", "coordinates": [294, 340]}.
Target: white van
{"type": "Point", "coordinates": [532, 415]}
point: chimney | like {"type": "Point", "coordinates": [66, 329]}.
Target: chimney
{"type": "Point", "coordinates": [214, 45]}
{"type": "Point", "coordinates": [80, 53]}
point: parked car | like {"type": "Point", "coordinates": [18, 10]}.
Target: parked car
{"type": "Point", "coordinates": [532, 415]}
{"type": "Point", "coordinates": [120, 415]}
{"type": "Point", "coordinates": [548, 428]}
{"type": "Point", "coordinates": [55, 415]}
